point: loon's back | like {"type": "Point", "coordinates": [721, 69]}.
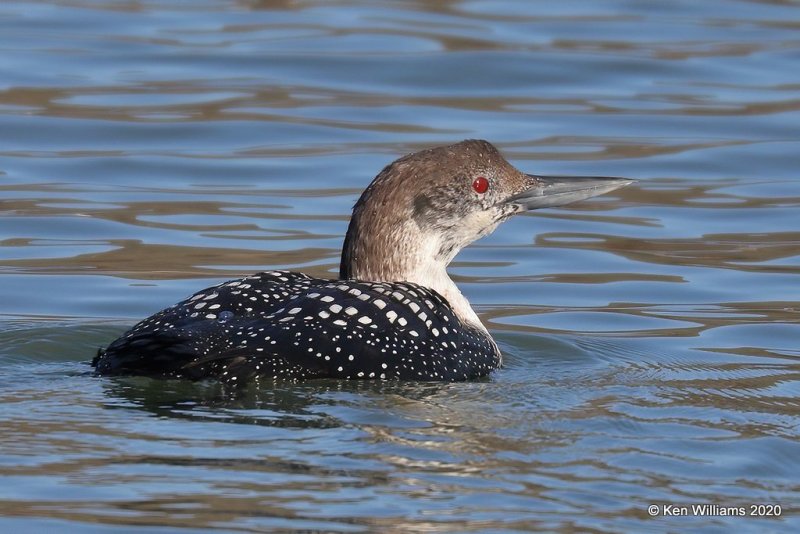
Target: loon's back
{"type": "Point", "coordinates": [282, 324]}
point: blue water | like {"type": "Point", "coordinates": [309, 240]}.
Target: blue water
{"type": "Point", "coordinates": [149, 149]}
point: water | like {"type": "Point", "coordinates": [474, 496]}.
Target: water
{"type": "Point", "coordinates": [149, 149]}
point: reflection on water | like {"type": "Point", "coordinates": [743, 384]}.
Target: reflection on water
{"type": "Point", "coordinates": [650, 335]}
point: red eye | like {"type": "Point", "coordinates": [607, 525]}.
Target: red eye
{"type": "Point", "coordinates": [480, 185]}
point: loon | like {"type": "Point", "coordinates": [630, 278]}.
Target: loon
{"type": "Point", "coordinates": [393, 314]}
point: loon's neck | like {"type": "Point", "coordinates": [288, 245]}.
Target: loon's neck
{"type": "Point", "coordinates": [440, 281]}
{"type": "Point", "coordinates": [404, 254]}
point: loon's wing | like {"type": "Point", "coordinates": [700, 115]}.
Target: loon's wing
{"type": "Point", "coordinates": [322, 328]}
{"type": "Point", "coordinates": [166, 341]}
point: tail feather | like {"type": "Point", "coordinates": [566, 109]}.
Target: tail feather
{"type": "Point", "coordinates": [146, 354]}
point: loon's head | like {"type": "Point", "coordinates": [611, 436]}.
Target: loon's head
{"type": "Point", "coordinates": [423, 208]}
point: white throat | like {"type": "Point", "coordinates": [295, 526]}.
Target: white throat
{"type": "Point", "coordinates": [461, 306]}
{"type": "Point", "coordinates": [432, 273]}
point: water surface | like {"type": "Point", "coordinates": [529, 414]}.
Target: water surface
{"type": "Point", "coordinates": [652, 336]}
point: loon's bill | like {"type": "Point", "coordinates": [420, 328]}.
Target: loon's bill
{"type": "Point", "coordinates": [553, 191]}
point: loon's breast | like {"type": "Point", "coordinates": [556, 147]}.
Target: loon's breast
{"type": "Point", "coordinates": [282, 324]}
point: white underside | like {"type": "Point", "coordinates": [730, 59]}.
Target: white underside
{"type": "Point", "coordinates": [432, 273]}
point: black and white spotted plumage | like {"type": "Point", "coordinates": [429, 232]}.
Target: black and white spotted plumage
{"type": "Point", "coordinates": [282, 324]}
